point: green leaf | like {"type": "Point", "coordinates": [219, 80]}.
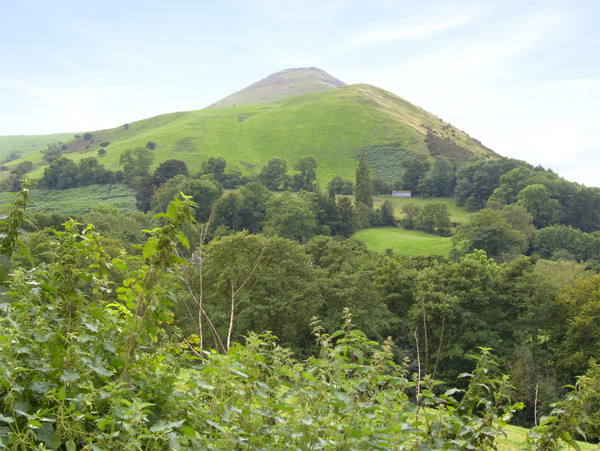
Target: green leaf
{"type": "Point", "coordinates": [118, 263]}
{"type": "Point", "coordinates": [91, 327]}
{"type": "Point", "coordinates": [69, 376]}
{"type": "Point", "coordinates": [96, 365]}
{"type": "Point", "coordinates": [150, 248]}
{"type": "Point", "coordinates": [202, 384]}
{"type": "Point", "coordinates": [309, 377]}
{"type": "Point", "coordinates": [48, 435]}
{"type": "Point", "coordinates": [162, 425]}
{"type": "Point", "coordinates": [84, 338]}
{"type": "Point", "coordinates": [40, 387]}
{"type": "Point", "coordinates": [216, 425]}
{"type": "Point", "coordinates": [24, 252]}
{"type": "Point", "coordinates": [34, 423]}
{"type": "Point", "coordinates": [188, 431]}
{"type": "Point", "coordinates": [110, 347]}
{"type": "Point", "coordinates": [452, 391]}
{"type": "Point", "coordinates": [6, 419]}
{"type": "Point", "coordinates": [61, 395]}
{"type": "Point", "coordinates": [43, 338]}
{"type": "Point", "coordinates": [239, 373]}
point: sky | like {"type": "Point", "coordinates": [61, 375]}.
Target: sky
{"type": "Point", "coordinates": [522, 77]}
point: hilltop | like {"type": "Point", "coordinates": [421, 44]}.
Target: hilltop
{"type": "Point", "coordinates": [281, 85]}
{"type": "Point", "coordinates": [332, 123]}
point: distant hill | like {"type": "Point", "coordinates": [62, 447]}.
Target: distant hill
{"type": "Point", "coordinates": [24, 144]}
{"type": "Point", "coordinates": [281, 85]}
{"type": "Point", "coordinates": [334, 124]}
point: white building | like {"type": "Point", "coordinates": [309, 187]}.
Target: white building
{"type": "Point", "coordinates": [399, 193]}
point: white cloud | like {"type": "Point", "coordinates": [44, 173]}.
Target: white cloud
{"type": "Point", "coordinates": [385, 35]}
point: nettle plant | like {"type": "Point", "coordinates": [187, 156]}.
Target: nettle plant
{"type": "Point", "coordinates": [90, 360]}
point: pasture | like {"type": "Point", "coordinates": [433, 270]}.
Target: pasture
{"type": "Point", "coordinates": [407, 242]}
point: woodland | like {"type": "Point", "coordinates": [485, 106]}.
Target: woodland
{"type": "Point", "coordinates": [233, 312]}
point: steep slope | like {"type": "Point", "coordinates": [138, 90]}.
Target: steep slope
{"type": "Point", "coordinates": [334, 125]}
{"type": "Point", "coordinates": [281, 85]}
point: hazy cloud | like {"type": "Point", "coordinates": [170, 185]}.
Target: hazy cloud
{"type": "Point", "coordinates": [386, 35]}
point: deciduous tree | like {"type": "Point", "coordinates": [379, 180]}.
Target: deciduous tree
{"type": "Point", "coordinates": [136, 162]}
{"type": "Point", "coordinates": [488, 230]}
{"type": "Point", "coordinates": [544, 210]}
{"type": "Point", "coordinates": [274, 174]}
{"type": "Point", "coordinates": [578, 322]}
{"type": "Point", "coordinates": [290, 217]}
{"type": "Point", "coordinates": [61, 174]}
{"type": "Point", "coordinates": [307, 175]}
{"type": "Point", "coordinates": [439, 180]}
{"type": "Point", "coordinates": [169, 169]}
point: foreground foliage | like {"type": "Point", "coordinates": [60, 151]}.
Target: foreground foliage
{"type": "Point", "coordinates": [90, 360]}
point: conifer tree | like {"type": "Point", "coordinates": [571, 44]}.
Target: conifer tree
{"type": "Point", "coordinates": [364, 189]}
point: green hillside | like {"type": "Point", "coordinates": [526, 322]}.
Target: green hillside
{"type": "Point", "coordinates": [24, 144]}
{"type": "Point", "coordinates": [334, 125]}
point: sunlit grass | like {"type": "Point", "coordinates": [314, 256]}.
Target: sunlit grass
{"type": "Point", "coordinates": [517, 436]}
{"type": "Point", "coordinates": [407, 242]}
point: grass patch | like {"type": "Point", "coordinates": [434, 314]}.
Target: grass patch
{"type": "Point", "coordinates": [517, 436]}
{"type": "Point", "coordinates": [407, 242]}
{"type": "Point", "coordinates": [78, 200]}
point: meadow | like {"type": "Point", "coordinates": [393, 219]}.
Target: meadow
{"type": "Point", "coordinates": [401, 241]}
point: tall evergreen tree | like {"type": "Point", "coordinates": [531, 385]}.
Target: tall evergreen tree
{"type": "Point", "coordinates": [364, 189]}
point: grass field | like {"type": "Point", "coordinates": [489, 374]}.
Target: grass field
{"type": "Point", "coordinates": [78, 200]}
{"type": "Point", "coordinates": [407, 242]}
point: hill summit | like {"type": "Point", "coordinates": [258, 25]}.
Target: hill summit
{"type": "Point", "coordinates": [281, 85]}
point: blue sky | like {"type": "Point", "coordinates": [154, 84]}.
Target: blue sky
{"type": "Point", "coordinates": [521, 76]}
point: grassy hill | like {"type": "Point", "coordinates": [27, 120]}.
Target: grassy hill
{"type": "Point", "coordinates": [334, 125]}
{"type": "Point", "coordinates": [25, 145]}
